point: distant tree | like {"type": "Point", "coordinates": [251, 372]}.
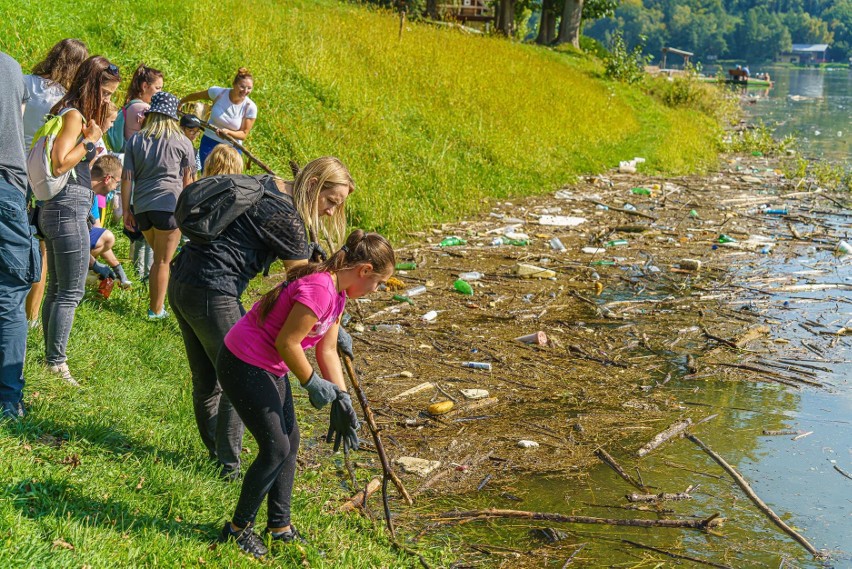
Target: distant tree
{"type": "Point", "coordinates": [805, 28]}
{"type": "Point", "coordinates": [839, 18]}
{"type": "Point", "coordinates": [547, 23]}
{"type": "Point", "coordinates": [575, 11]}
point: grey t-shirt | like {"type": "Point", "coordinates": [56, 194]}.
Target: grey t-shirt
{"type": "Point", "coordinates": [13, 94]}
{"type": "Point", "coordinates": [157, 166]}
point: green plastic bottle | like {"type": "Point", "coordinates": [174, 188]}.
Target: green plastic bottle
{"type": "Point", "coordinates": [401, 298]}
{"type": "Point", "coordinates": [616, 243]}
{"type": "Point", "coordinates": [726, 239]}
{"type": "Point", "coordinates": [693, 214]}
{"type": "Point", "coordinates": [406, 266]}
{"type": "Point", "coordinates": [452, 242]}
{"type": "Point", "coordinates": [516, 242]}
{"type": "Point", "coordinates": [603, 262]}
{"type": "Point", "coordinates": [463, 287]}
{"type": "Point", "coordinates": [641, 191]}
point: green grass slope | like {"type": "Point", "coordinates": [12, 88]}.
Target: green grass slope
{"type": "Point", "coordinates": [428, 125]}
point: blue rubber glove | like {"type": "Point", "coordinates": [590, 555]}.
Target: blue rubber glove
{"type": "Point", "coordinates": [320, 391]}
{"type": "Point", "coordinates": [344, 343]}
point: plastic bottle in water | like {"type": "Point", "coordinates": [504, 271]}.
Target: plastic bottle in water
{"type": "Point", "coordinates": [556, 244]}
{"type": "Point", "coordinates": [616, 243]}
{"type": "Point", "coordinates": [726, 239]}
{"type": "Point", "coordinates": [401, 298]}
{"type": "Point", "coordinates": [776, 211]}
{"type": "Point", "coordinates": [471, 276]}
{"type": "Point", "coordinates": [463, 287]}
{"type": "Point", "coordinates": [629, 207]}
{"type": "Point", "coordinates": [414, 291]}
{"type": "Point", "coordinates": [406, 266]}
{"type": "Point", "coordinates": [391, 328]}
{"type": "Point", "coordinates": [640, 191]}
{"type": "Point", "coordinates": [844, 248]}
{"type": "Point", "coordinates": [477, 365]}
{"type": "Point", "coordinates": [452, 241]}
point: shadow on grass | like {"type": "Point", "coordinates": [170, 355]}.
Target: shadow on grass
{"type": "Point", "coordinates": [102, 435]}
{"type": "Point", "coordinates": [50, 498]}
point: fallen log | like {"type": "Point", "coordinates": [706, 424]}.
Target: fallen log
{"type": "Point", "coordinates": [669, 433]}
{"type": "Point", "coordinates": [704, 524]}
{"type": "Point", "coordinates": [661, 497]}
{"type": "Point", "coordinates": [612, 463]}
{"type": "Point", "coordinates": [358, 500]}
{"type": "Point", "coordinates": [741, 482]}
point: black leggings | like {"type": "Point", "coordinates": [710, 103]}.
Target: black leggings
{"type": "Point", "coordinates": [265, 404]}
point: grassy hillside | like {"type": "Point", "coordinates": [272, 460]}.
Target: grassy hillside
{"type": "Point", "coordinates": [428, 125]}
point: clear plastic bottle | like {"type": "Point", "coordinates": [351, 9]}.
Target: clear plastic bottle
{"type": "Point", "coordinates": [414, 291]}
{"type": "Point", "coordinates": [471, 276]}
{"type": "Point", "coordinates": [391, 328]}
{"type": "Point", "coordinates": [556, 244]}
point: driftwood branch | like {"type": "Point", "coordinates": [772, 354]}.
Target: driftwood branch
{"type": "Point", "coordinates": [741, 482]}
{"type": "Point", "coordinates": [676, 555]}
{"type": "Point", "coordinates": [843, 472]}
{"type": "Point", "coordinates": [358, 500]}
{"type": "Point", "coordinates": [612, 463]}
{"type": "Point", "coordinates": [669, 433]}
{"type": "Point", "coordinates": [374, 430]}
{"type": "Point", "coordinates": [662, 496]}
{"type": "Point", "coordinates": [710, 522]}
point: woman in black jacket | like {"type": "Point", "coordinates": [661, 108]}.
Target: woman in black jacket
{"type": "Point", "coordinates": [208, 280]}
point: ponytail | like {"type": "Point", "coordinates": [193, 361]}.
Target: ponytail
{"type": "Point", "coordinates": [242, 73]}
{"type": "Point", "coordinates": [360, 248]}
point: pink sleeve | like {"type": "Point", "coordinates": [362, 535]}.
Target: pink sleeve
{"type": "Point", "coordinates": [315, 295]}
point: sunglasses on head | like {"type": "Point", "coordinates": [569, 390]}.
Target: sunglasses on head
{"type": "Point", "coordinates": [112, 69]}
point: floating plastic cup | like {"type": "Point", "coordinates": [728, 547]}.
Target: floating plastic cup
{"type": "Point", "coordinates": [539, 338]}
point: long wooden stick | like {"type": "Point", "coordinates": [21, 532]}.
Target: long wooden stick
{"type": "Point", "coordinates": [676, 555]}
{"type": "Point", "coordinates": [741, 482]}
{"type": "Point", "coordinates": [233, 142]}
{"type": "Point", "coordinates": [660, 438]}
{"type": "Point", "coordinates": [710, 522]}
{"type": "Point", "coordinates": [374, 430]}
{"type": "Point", "coordinates": [612, 463]}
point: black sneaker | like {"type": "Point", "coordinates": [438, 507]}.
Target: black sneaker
{"type": "Point", "coordinates": [291, 534]}
{"type": "Point", "coordinates": [12, 411]}
{"type": "Point", "coordinates": [246, 540]}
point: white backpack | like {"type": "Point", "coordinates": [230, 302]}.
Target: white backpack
{"type": "Point", "coordinates": [39, 168]}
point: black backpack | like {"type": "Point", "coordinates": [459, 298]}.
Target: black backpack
{"type": "Point", "coordinates": [207, 207]}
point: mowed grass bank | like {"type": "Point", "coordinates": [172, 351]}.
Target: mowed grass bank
{"type": "Point", "coordinates": [428, 125]}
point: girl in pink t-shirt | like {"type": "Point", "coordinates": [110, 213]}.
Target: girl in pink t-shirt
{"type": "Point", "coordinates": [268, 343]}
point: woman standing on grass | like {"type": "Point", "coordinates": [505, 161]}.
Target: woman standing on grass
{"type": "Point", "coordinates": [268, 343]}
{"type": "Point", "coordinates": [159, 161]}
{"type": "Point", "coordinates": [63, 218]}
{"type": "Point", "coordinates": [145, 83]}
{"type": "Point", "coordinates": [208, 280]}
{"type": "Point", "coordinates": [233, 113]}
{"type": "Point", "coordinates": [50, 80]}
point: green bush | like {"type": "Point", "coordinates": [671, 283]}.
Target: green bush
{"type": "Point", "coordinates": [625, 65]}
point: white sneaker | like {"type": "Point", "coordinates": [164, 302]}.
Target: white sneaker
{"type": "Point", "coordinates": [63, 372]}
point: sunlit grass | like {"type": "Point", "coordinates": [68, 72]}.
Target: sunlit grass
{"type": "Point", "coordinates": [428, 125]}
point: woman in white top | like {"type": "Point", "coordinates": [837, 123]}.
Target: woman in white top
{"type": "Point", "coordinates": [49, 81]}
{"type": "Point", "coordinates": [233, 113]}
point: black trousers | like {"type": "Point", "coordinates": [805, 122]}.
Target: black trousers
{"type": "Point", "coordinates": [265, 404]}
{"type": "Point", "coordinates": [205, 316]}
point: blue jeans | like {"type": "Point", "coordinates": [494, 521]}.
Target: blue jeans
{"type": "Point", "coordinates": [20, 266]}
{"type": "Point", "coordinates": [66, 235]}
{"type": "Point", "coordinates": [206, 147]}
{"type": "Point", "coordinates": [205, 316]}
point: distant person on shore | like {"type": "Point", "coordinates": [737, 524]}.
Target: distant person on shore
{"type": "Point", "coordinates": [19, 259]}
{"type": "Point", "coordinates": [208, 280]}
{"type": "Point", "coordinates": [49, 81]}
{"type": "Point", "coordinates": [233, 113]}
{"type": "Point", "coordinates": [63, 218]}
{"type": "Point", "coordinates": [159, 162]}
{"type": "Point", "coordinates": [267, 345]}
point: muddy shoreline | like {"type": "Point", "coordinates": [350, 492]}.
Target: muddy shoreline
{"type": "Point", "coordinates": [654, 298]}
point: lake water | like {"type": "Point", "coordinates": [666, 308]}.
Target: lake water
{"type": "Point", "coordinates": [815, 105]}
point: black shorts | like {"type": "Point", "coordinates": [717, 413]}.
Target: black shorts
{"type": "Point", "coordinates": [162, 220]}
